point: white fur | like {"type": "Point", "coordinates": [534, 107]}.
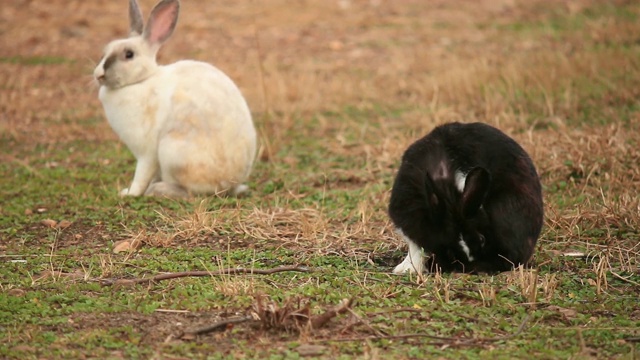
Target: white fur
{"type": "Point", "coordinates": [461, 179]}
{"type": "Point", "coordinates": [441, 172]}
{"type": "Point", "coordinates": [186, 123]}
{"type": "Point", "coordinates": [465, 248]}
{"type": "Point", "coordinates": [414, 262]}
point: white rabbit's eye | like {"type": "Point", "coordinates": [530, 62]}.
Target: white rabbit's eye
{"type": "Point", "coordinates": [128, 54]}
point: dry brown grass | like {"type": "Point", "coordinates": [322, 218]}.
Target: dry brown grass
{"type": "Point", "coordinates": [316, 57]}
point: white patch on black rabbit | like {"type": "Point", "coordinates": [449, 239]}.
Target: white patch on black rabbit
{"type": "Point", "coordinates": [461, 178]}
{"type": "Point", "coordinates": [413, 262]}
{"type": "Point", "coordinates": [186, 123]}
{"type": "Point", "coordinates": [442, 171]}
{"type": "Point", "coordinates": [465, 248]}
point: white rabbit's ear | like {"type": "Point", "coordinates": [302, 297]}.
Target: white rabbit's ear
{"type": "Point", "coordinates": [162, 21]}
{"type": "Point", "coordinates": [136, 24]}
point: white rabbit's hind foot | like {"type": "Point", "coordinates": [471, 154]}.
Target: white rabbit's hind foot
{"type": "Point", "coordinates": [162, 188]}
{"type": "Point", "coordinates": [240, 190]}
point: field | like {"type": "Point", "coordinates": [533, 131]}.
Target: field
{"type": "Point", "coordinates": [338, 90]}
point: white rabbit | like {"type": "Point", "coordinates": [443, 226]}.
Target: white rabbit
{"type": "Point", "coordinates": [186, 123]}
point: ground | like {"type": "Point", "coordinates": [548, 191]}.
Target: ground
{"type": "Point", "coordinates": [338, 90]}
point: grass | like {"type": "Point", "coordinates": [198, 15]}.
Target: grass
{"type": "Point", "coordinates": [347, 87]}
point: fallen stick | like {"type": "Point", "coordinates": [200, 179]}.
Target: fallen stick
{"type": "Point", "coordinates": [361, 321]}
{"type": "Point", "coordinates": [386, 312]}
{"type": "Point", "coordinates": [220, 325]}
{"type": "Point", "coordinates": [228, 271]}
{"type": "Point", "coordinates": [443, 340]}
{"type": "Point", "coordinates": [633, 339]}
{"type": "Point", "coordinates": [510, 336]}
{"type": "Point", "coordinates": [624, 278]}
{"type": "Point", "coordinates": [320, 320]}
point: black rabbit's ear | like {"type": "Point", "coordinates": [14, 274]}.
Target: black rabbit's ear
{"type": "Point", "coordinates": [433, 200]}
{"type": "Point", "coordinates": [475, 191]}
{"type": "Point", "coordinates": [429, 187]}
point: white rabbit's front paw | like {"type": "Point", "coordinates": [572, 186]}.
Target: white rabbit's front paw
{"type": "Point", "coordinates": [124, 192]}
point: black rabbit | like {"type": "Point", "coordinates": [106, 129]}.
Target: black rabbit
{"type": "Point", "coordinates": [470, 196]}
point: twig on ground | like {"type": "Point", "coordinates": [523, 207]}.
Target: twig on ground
{"type": "Point", "coordinates": [220, 325]}
{"type": "Point", "coordinates": [441, 340]}
{"type": "Point", "coordinates": [444, 340]}
{"type": "Point", "coordinates": [386, 312]}
{"type": "Point", "coordinates": [228, 271]}
{"type": "Point", "coordinates": [172, 311]}
{"type": "Point", "coordinates": [360, 320]}
{"type": "Point", "coordinates": [320, 320]}
{"type": "Point", "coordinates": [510, 336]}
{"type": "Point", "coordinates": [624, 278]}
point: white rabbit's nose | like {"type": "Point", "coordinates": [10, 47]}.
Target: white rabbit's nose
{"type": "Point", "coordinates": [99, 74]}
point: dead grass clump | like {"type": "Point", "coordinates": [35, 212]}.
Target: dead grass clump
{"type": "Point", "coordinates": [549, 284]}
{"type": "Point", "coordinates": [526, 283]}
{"type": "Point", "coordinates": [229, 285]}
{"type": "Point", "coordinates": [291, 315]}
{"type": "Point", "coordinates": [487, 292]}
{"type": "Point", "coordinates": [194, 225]}
{"type": "Point", "coordinates": [286, 225]}
{"type": "Point", "coordinates": [601, 268]}
{"type": "Point", "coordinates": [294, 314]}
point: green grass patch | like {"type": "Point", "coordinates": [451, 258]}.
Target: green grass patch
{"type": "Point", "coordinates": [35, 60]}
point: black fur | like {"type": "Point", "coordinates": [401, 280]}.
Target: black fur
{"type": "Point", "coordinates": [499, 213]}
